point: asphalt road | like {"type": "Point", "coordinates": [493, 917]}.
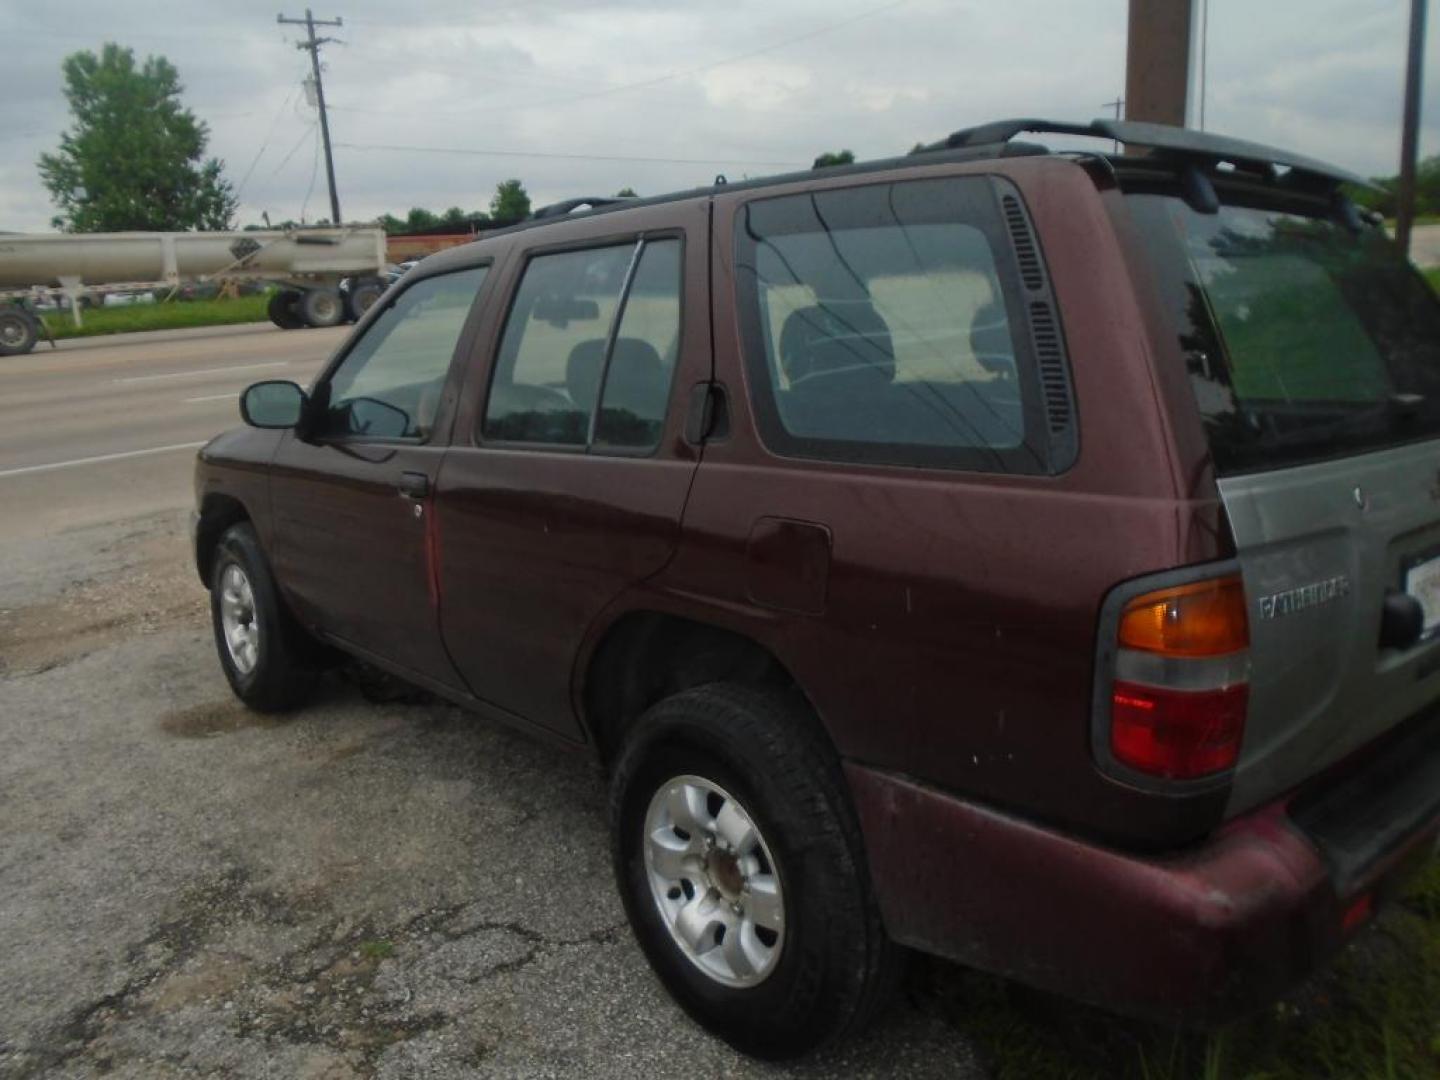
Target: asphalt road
{"type": "Point", "coordinates": [358, 890]}
{"type": "Point", "coordinates": [107, 427]}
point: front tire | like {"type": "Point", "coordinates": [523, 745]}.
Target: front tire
{"type": "Point", "coordinates": [740, 864]}
{"type": "Point", "coordinates": [262, 650]}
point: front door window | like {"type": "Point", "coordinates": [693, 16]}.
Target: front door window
{"type": "Point", "coordinates": [389, 385]}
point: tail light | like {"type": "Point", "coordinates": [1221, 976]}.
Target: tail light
{"type": "Point", "coordinates": [1180, 688]}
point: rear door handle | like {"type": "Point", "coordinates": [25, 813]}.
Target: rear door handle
{"type": "Point", "coordinates": [414, 485]}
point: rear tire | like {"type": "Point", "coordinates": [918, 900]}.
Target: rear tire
{"type": "Point", "coordinates": [321, 307]}
{"type": "Point", "coordinates": [283, 309]}
{"type": "Point", "coordinates": [266, 656]}
{"type": "Point", "coordinates": [824, 964]}
{"type": "Point", "coordinates": [18, 331]}
{"type": "Point", "coordinates": [361, 298]}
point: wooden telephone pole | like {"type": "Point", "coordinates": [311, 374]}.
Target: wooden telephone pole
{"type": "Point", "coordinates": [313, 47]}
{"type": "Point", "coordinates": [1157, 61]}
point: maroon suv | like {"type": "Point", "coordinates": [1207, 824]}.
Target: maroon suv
{"type": "Point", "coordinates": [1029, 558]}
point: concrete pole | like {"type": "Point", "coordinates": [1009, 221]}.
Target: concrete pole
{"type": "Point", "coordinates": [1157, 61]}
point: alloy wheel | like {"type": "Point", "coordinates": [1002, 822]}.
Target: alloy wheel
{"type": "Point", "coordinates": [715, 884]}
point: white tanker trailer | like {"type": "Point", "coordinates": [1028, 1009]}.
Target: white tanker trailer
{"type": "Point", "coordinates": [327, 275]}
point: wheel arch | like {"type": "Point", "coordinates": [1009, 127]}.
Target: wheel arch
{"type": "Point", "coordinates": [218, 511]}
{"type": "Point", "coordinates": [646, 655]}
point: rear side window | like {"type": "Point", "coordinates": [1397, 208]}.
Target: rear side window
{"type": "Point", "coordinates": [880, 325]}
{"type": "Point", "coordinates": [1303, 340]}
{"type": "Point", "coordinates": [589, 348]}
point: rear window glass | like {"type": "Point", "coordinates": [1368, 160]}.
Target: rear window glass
{"type": "Point", "coordinates": [878, 328]}
{"type": "Point", "coordinates": [1303, 340]}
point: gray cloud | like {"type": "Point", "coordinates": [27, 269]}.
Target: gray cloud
{"type": "Point", "coordinates": [720, 85]}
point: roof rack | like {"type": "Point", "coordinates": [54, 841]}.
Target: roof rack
{"type": "Point", "coordinates": [1171, 141]}
{"type": "Point", "coordinates": [560, 209]}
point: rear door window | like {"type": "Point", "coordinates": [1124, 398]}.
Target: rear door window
{"type": "Point", "coordinates": [589, 348]}
{"type": "Point", "coordinates": [1303, 340]}
{"type": "Point", "coordinates": [878, 327]}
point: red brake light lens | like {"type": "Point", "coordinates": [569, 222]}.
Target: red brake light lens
{"type": "Point", "coordinates": [1177, 734]}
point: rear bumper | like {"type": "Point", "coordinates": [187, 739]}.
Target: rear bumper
{"type": "Point", "coordinates": [1199, 937]}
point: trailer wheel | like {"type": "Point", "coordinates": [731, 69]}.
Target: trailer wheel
{"type": "Point", "coordinates": [321, 307]}
{"type": "Point", "coordinates": [18, 331]}
{"type": "Point", "coordinates": [360, 299]}
{"type": "Point", "coordinates": [283, 309]}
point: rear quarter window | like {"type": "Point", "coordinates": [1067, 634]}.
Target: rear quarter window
{"type": "Point", "coordinates": [883, 323]}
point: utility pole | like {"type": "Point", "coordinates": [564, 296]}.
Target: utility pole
{"type": "Point", "coordinates": [313, 47]}
{"type": "Point", "coordinates": [1158, 60]}
{"type": "Point", "coordinates": [1117, 105]}
{"type": "Point", "coordinates": [1410, 133]}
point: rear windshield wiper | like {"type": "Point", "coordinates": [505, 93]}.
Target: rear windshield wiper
{"type": "Point", "coordinates": [1396, 407]}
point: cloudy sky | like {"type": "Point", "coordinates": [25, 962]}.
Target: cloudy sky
{"type": "Point", "coordinates": [435, 101]}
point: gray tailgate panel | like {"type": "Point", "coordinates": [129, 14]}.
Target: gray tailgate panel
{"type": "Point", "coordinates": [1318, 546]}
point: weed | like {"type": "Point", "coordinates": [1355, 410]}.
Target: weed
{"type": "Point", "coordinates": [377, 949]}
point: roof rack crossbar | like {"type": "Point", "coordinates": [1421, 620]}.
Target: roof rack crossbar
{"type": "Point", "coordinates": [1174, 141]}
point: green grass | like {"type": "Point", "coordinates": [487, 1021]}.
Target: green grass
{"type": "Point", "coordinates": [377, 949]}
{"type": "Point", "coordinates": [1420, 219]}
{"type": "Point", "coordinates": [170, 315]}
{"type": "Point", "coordinates": [1374, 1014]}
{"type": "Point", "coordinates": [1433, 276]}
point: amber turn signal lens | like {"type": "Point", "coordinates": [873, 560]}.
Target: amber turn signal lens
{"type": "Point", "coordinates": [1204, 619]}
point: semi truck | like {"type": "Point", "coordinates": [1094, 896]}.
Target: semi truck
{"type": "Point", "coordinates": [325, 275]}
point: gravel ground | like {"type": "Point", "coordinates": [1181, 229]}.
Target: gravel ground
{"type": "Point", "coordinates": [360, 890]}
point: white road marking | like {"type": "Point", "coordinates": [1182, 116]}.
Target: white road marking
{"type": "Point", "coordinates": [234, 395]}
{"type": "Point", "coordinates": [99, 458]}
{"type": "Point", "coordinates": [202, 371]}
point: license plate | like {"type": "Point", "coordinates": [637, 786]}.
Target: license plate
{"type": "Point", "coordinates": [1422, 581]}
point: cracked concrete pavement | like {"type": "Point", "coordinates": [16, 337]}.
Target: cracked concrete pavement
{"type": "Point", "coordinates": [357, 890]}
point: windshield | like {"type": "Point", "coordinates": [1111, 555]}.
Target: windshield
{"type": "Point", "coordinates": [1303, 340]}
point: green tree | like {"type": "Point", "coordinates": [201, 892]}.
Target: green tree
{"type": "Point", "coordinates": [1386, 200]}
{"type": "Point", "coordinates": [626, 193]}
{"type": "Point", "coordinates": [135, 157]}
{"type": "Point", "coordinates": [825, 160]}
{"type": "Point", "coordinates": [511, 203]}
{"type": "Point", "coordinates": [454, 216]}
{"type": "Point", "coordinates": [419, 218]}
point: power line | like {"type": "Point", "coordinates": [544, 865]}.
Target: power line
{"type": "Point", "coordinates": [312, 45]}
{"type": "Point", "coordinates": [567, 157]}
{"type": "Point", "coordinates": [300, 142]}
{"type": "Point", "coordinates": [265, 143]}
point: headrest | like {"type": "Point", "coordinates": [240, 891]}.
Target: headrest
{"type": "Point", "coordinates": [839, 336]}
{"type": "Point", "coordinates": [582, 373]}
{"type": "Point", "coordinates": [635, 376]}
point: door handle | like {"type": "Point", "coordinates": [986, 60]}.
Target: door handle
{"type": "Point", "coordinates": [414, 485]}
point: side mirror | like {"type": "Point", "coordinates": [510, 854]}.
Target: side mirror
{"type": "Point", "coordinates": [275, 403]}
